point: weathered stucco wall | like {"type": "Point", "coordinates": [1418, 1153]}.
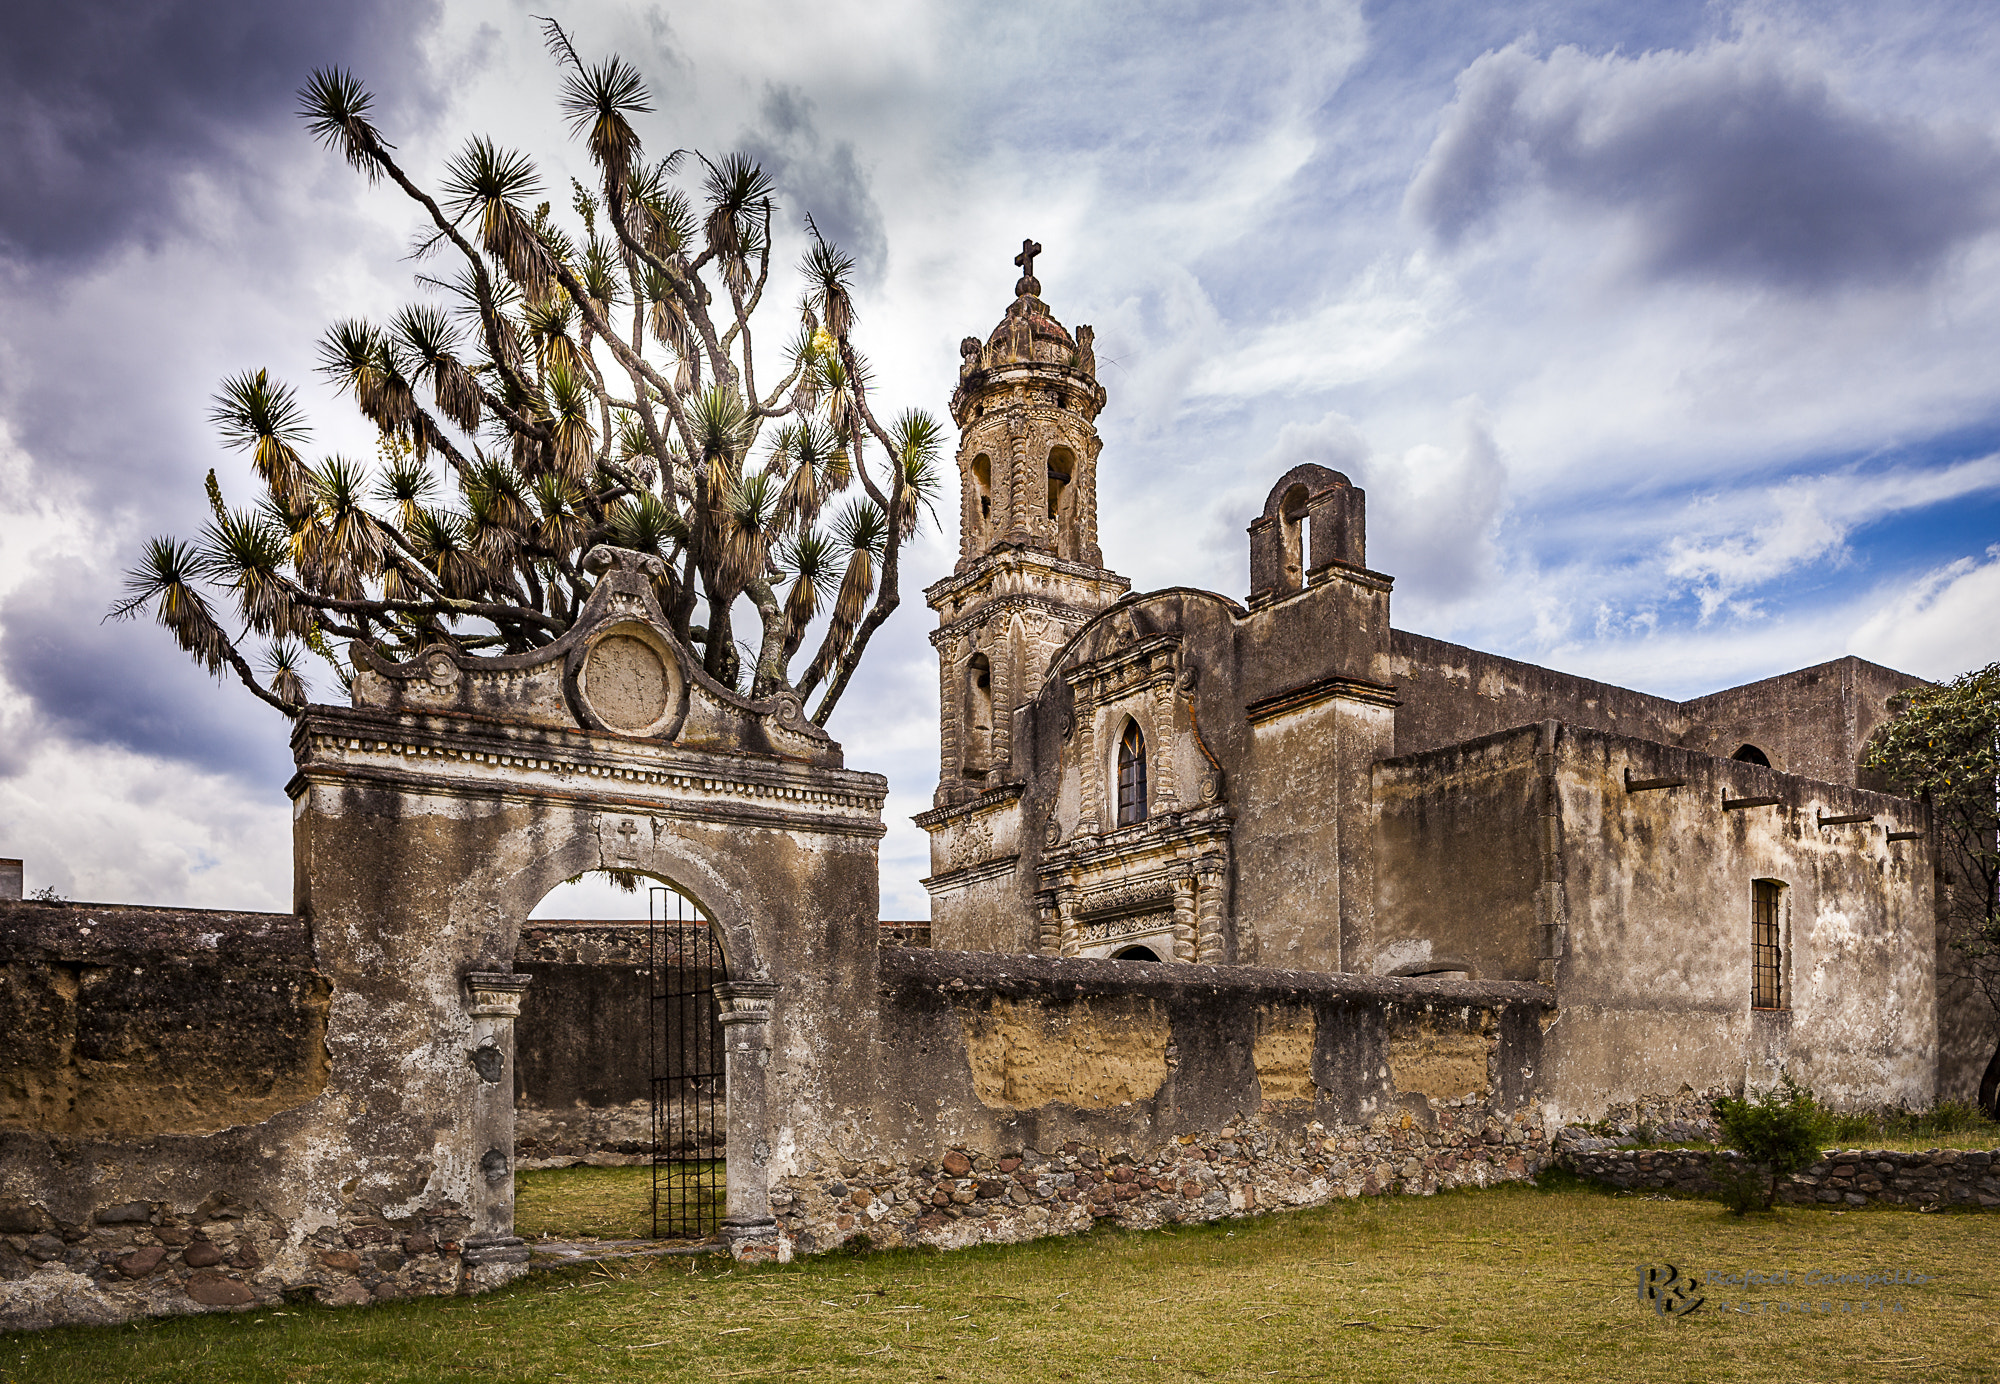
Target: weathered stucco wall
{"type": "Point", "coordinates": [1025, 1096]}
{"type": "Point", "coordinates": [1449, 693]}
{"type": "Point", "coordinates": [1655, 980]}
{"type": "Point", "coordinates": [1636, 901]}
{"type": "Point", "coordinates": [126, 1022]}
{"type": "Point", "coordinates": [1814, 722]}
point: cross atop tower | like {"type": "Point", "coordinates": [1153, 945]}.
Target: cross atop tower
{"type": "Point", "coordinates": [1028, 285]}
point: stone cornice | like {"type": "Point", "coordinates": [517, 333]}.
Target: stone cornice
{"type": "Point", "coordinates": [1006, 795]}
{"type": "Point", "coordinates": [456, 756]}
{"type": "Point", "coordinates": [1001, 559]}
{"type": "Point", "coordinates": [970, 874]}
{"type": "Point", "coordinates": [1313, 693]}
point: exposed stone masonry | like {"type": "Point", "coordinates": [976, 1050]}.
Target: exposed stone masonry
{"type": "Point", "coordinates": [962, 1197]}
{"type": "Point", "coordinates": [1851, 1177]}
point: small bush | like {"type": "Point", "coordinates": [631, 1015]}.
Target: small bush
{"type": "Point", "coordinates": [1778, 1131]}
{"type": "Point", "coordinates": [1740, 1184]}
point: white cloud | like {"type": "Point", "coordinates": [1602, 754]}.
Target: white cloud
{"type": "Point", "coordinates": [1945, 623]}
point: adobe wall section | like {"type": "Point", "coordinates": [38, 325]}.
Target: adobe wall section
{"type": "Point", "coordinates": [126, 1022]}
{"type": "Point", "coordinates": [1025, 1096]}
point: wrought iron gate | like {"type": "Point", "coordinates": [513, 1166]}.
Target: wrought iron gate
{"type": "Point", "coordinates": [690, 1101]}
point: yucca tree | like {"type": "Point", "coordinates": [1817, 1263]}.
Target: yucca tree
{"type": "Point", "coordinates": [570, 386]}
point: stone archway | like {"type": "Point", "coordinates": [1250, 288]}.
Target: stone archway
{"type": "Point", "coordinates": [432, 815]}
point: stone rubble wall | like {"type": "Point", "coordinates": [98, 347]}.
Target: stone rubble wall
{"type": "Point", "coordinates": [1024, 1096]}
{"type": "Point", "coordinates": [961, 1197]}
{"type": "Point", "coordinates": [1850, 1177]}
{"type": "Point", "coordinates": [143, 1259]}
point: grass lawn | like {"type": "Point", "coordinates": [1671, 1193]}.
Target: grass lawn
{"type": "Point", "coordinates": [585, 1203]}
{"type": "Point", "coordinates": [1505, 1283]}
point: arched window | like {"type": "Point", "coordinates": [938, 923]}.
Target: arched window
{"type": "Point", "coordinates": [1132, 776]}
{"type": "Point", "coordinates": [1135, 952]}
{"type": "Point", "coordinates": [982, 485]}
{"type": "Point", "coordinates": [1750, 754]}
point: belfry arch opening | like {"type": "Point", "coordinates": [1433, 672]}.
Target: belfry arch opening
{"type": "Point", "coordinates": [982, 486]}
{"type": "Point", "coordinates": [1135, 953]}
{"type": "Point", "coordinates": [618, 1050]}
{"type": "Point", "coordinates": [1061, 472]}
{"type": "Point", "coordinates": [1294, 531]}
{"type": "Point", "coordinates": [1750, 754]}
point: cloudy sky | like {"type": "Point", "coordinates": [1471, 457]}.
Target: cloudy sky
{"type": "Point", "coordinates": [1665, 338]}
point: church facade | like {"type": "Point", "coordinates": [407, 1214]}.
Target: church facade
{"type": "Point", "coordinates": [1712, 888]}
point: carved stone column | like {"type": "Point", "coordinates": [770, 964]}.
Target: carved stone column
{"type": "Point", "coordinates": [748, 1227]}
{"type": "Point", "coordinates": [1048, 941]}
{"type": "Point", "coordinates": [493, 1252]}
{"type": "Point", "coordinates": [1066, 926]}
{"type": "Point", "coordinates": [1184, 918]}
{"type": "Point", "coordinates": [1166, 793]}
{"type": "Point", "coordinates": [1211, 939]}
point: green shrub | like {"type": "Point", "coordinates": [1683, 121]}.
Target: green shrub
{"type": "Point", "coordinates": [1778, 1131]}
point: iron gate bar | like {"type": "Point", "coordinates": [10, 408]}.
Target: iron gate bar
{"type": "Point", "coordinates": [685, 1060]}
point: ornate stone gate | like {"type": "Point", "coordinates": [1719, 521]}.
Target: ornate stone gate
{"type": "Point", "coordinates": [434, 813]}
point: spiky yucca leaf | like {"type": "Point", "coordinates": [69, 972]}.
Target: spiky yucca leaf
{"type": "Point", "coordinates": [427, 338]}
{"type": "Point", "coordinates": [646, 525]}
{"type": "Point", "coordinates": [335, 106]}
{"type": "Point", "coordinates": [164, 580]}
{"type": "Point", "coordinates": [256, 414]}
{"type": "Point", "coordinates": [342, 546]}
{"type": "Point", "coordinates": [282, 664]}
{"type": "Point", "coordinates": [827, 273]}
{"type": "Point", "coordinates": [720, 425]}
{"type": "Point", "coordinates": [599, 272]}
{"type": "Point", "coordinates": [737, 188]}
{"type": "Point", "coordinates": [812, 563]}
{"type": "Point", "coordinates": [600, 99]}
{"type": "Point", "coordinates": [440, 540]}
{"type": "Point", "coordinates": [407, 484]}
{"type": "Point", "coordinates": [246, 554]}
{"type": "Point", "coordinates": [918, 442]}
{"type": "Point", "coordinates": [749, 524]}
{"type": "Point", "coordinates": [356, 356]}
{"type": "Point", "coordinates": [568, 404]}
{"type": "Point", "coordinates": [558, 527]}
{"type": "Point", "coordinates": [489, 180]}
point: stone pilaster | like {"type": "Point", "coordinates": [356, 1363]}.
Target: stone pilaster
{"type": "Point", "coordinates": [1048, 940]}
{"type": "Point", "coordinates": [1211, 939]}
{"type": "Point", "coordinates": [493, 1252]}
{"type": "Point", "coordinates": [748, 1227]}
{"type": "Point", "coordinates": [1066, 924]}
{"type": "Point", "coordinates": [1185, 947]}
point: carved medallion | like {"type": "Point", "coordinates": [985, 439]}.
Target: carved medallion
{"type": "Point", "coordinates": [627, 684]}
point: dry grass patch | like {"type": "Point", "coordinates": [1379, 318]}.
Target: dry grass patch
{"type": "Point", "coordinates": [1508, 1283]}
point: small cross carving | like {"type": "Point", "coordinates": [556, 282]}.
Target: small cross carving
{"type": "Point", "coordinates": [629, 831]}
{"type": "Point", "coordinates": [1026, 259]}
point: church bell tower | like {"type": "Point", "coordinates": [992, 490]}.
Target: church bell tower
{"type": "Point", "coordinates": [1029, 571]}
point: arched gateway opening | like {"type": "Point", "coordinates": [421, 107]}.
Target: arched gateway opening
{"type": "Point", "coordinates": [619, 1047]}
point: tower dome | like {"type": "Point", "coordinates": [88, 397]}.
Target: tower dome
{"type": "Point", "coordinates": [1026, 406]}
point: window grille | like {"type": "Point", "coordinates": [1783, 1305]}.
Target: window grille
{"type": "Point", "coordinates": [1132, 776]}
{"type": "Point", "coordinates": [1766, 946]}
